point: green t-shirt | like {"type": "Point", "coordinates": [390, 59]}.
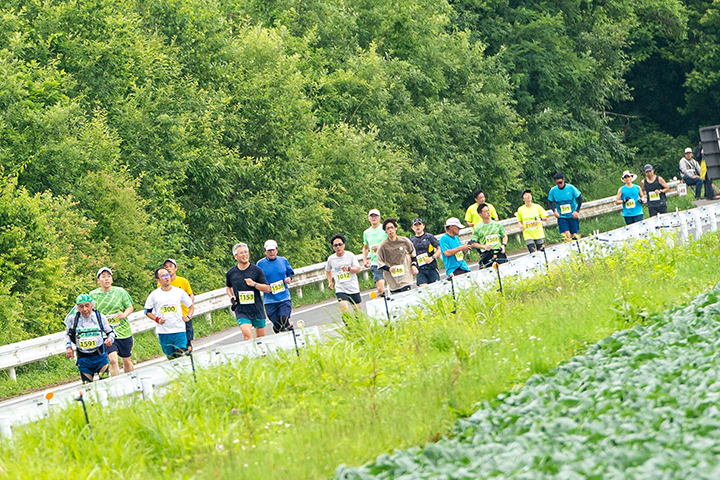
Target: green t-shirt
{"type": "Point", "coordinates": [489, 233]}
{"type": "Point", "coordinates": [112, 302]}
{"type": "Point", "coordinates": [372, 237]}
{"type": "Point", "coordinates": [530, 218]}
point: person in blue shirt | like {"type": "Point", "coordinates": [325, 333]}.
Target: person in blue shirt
{"type": "Point", "coordinates": [565, 201]}
{"type": "Point", "coordinates": [630, 197]}
{"type": "Point", "coordinates": [279, 273]}
{"type": "Point", "coordinates": [452, 249]}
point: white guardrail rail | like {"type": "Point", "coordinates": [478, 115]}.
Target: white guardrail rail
{"type": "Point", "coordinates": [40, 348]}
{"type": "Point", "coordinates": [36, 407]}
{"type": "Point", "coordinates": [697, 220]}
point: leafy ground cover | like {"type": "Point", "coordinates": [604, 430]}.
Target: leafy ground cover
{"type": "Point", "coordinates": [641, 404]}
{"type": "Point", "coordinates": [377, 389]}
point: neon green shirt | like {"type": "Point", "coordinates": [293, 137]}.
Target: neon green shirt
{"type": "Point", "coordinates": [372, 237]}
{"type": "Point", "coordinates": [489, 234]}
{"type": "Point", "coordinates": [530, 219]}
{"type": "Point", "coordinates": [112, 302]}
{"type": "Point", "coordinates": [472, 215]}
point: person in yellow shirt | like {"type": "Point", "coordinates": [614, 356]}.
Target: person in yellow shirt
{"type": "Point", "coordinates": [530, 217]}
{"type": "Point", "coordinates": [472, 217]}
{"type": "Point", "coordinates": [171, 266]}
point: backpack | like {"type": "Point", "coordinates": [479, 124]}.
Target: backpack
{"type": "Point", "coordinates": [72, 333]}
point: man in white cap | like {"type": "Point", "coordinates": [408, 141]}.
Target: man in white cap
{"type": "Point", "coordinates": [182, 283]}
{"type": "Point", "coordinates": [372, 238]}
{"type": "Point", "coordinates": [453, 250]}
{"type": "Point", "coordinates": [278, 274]}
{"type": "Point", "coordinates": [690, 172]}
{"type": "Point", "coordinates": [115, 303]}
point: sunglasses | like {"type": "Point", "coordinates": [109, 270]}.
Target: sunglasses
{"type": "Point", "coordinates": [337, 245]}
{"type": "Point", "coordinates": [165, 276]}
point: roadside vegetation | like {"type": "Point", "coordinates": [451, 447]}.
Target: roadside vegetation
{"type": "Point", "coordinates": [375, 390]}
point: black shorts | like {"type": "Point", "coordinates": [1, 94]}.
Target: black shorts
{"type": "Point", "coordinates": [487, 259]}
{"type": "Point", "coordinates": [123, 347]}
{"type": "Point", "coordinates": [427, 275]}
{"type": "Point", "coordinates": [459, 271]}
{"type": "Point", "coordinates": [655, 210]}
{"type": "Point", "coordinates": [400, 290]}
{"type": "Point", "coordinates": [349, 297]}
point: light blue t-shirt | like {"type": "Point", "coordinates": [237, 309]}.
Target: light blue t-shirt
{"type": "Point", "coordinates": [453, 262]}
{"type": "Point", "coordinates": [275, 272]}
{"type": "Point", "coordinates": [564, 199]}
{"type": "Point", "coordinates": [631, 201]}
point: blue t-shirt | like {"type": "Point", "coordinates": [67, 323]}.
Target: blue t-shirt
{"type": "Point", "coordinates": [564, 199]}
{"type": "Point", "coordinates": [631, 201]}
{"type": "Point", "coordinates": [453, 262]}
{"type": "Point", "coordinates": [275, 272]}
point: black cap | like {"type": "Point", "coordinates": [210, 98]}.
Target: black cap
{"type": "Point", "coordinates": [417, 220]}
{"type": "Point", "coordinates": [524, 192]}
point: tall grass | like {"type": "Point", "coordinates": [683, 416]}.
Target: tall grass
{"type": "Point", "coordinates": [379, 388]}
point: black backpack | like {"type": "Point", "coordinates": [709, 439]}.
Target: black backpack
{"type": "Point", "coordinates": [73, 331]}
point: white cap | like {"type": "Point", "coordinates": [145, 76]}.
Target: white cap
{"type": "Point", "coordinates": [688, 150]}
{"type": "Point", "coordinates": [627, 173]}
{"type": "Point", "coordinates": [374, 211]}
{"type": "Point", "coordinates": [453, 222]}
{"type": "Point", "coordinates": [104, 269]}
{"type": "Point", "coordinates": [271, 245]}
{"type": "Point", "coordinates": [171, 261]}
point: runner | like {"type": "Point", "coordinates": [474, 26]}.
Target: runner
{"type": "Point", "coordinates": [115, 303]}
{"type": "Point", "coordinates": [530, 217]}
{"type": "Point", "coordinates": [630, 197]}
{"type": "Point", "coordinates": [341, 270]}
{"type": "Point", "coordinates": [490, 238]}
{"type": "Point", "coordinates": [182, 283]}
{"type": "Point", "coordinates": [84, 328]}
{"type": "Point", "coordinates": [164, 307]}
{"type": "Point", "coordinates": [396, 258]}
{"type": "Point", "coordinates": [453, 250]}
{"type": "Point", "coordinates": [427, 249]}
{"type": "Point", "coordinates": [243, 284]}
{"type": "Point", "coordinates": [278, 274]}
{"type": "Point", "coordinates": [372, 238]}
{"type": "Point", "coordinates": [471, 215]}
{"type": "Point", "coordinates": [654, 188]}
{"type": "Point", "coordinates": [568, 200]}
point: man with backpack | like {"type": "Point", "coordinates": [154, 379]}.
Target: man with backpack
{"type": "Point", "coordinates": [90, 332]}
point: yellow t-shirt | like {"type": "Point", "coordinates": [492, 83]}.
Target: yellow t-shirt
{"type": "Point", "coordinates": [530, 218]}
{"type": "Point", "coordinates": [472, 215]}
{"type": "Point", "coordinates": [181, 282]}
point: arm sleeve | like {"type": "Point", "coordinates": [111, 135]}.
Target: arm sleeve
{"type": "Point", "coordinates": [68, 343]}
{"type": "Point", "coordinates": [551, 201]}
{"type": "Point", "coordinates": [579, 203]}
{"type": "Point", "coordinates": [289, 272]}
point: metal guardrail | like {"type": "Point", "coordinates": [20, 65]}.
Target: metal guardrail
{"type": "Point", "coordinates": [40, 348]}
{"type": "Point", "coordinates": [697, 219]}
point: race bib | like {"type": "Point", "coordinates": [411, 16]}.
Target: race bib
{"type": "Point", "coordinates": [399, 271]}
{"type": "Point", "coordinates": [653, 196]}
{"type": "Point", "coordinates": [343, 276]}
{"type": "Point", "coordinates": [88, 340]}
{"type": "Point", "coordinates": [630, 203]}
{"type": "Point", "coordinates": [565, 209]}
{"type": "Point", "coordinates": [277, 287]}
{"type": "Point", "coordinates": [492, 240]}
{"type": "Point", "coordinates": [421, 258]}
{"type": "Point", "coordinates": [532, 224]}
{"type": "Point", "coordinates": [168, 309]}
{"type": "Point", "coordinates": [459, 256]}
{"type": "Point", "coordinates": [246, 298]}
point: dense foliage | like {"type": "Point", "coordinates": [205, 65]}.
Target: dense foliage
{"type": "Point", "coordinates": [133, 131]}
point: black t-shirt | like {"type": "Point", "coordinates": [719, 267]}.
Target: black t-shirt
{"type": "Point", "coordinates": [422, 246]}
{"type": "Point", "coordinates": [250, 302]}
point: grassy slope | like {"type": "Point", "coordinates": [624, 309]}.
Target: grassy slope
{"type": "Point", "coordinates": [385, 388]}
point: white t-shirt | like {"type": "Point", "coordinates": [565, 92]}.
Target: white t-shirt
{"type": "Point", "coordinates": [168, 306]}
{"type": "Point", "coordinates": [345, 282]}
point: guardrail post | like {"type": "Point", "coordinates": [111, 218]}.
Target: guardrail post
{"type": "Point", "coordinates": [365, 275]}
{"type": "Point", "coordinates": [208, 317]}
{"type": "Point", "coordinates": [321, 285]}
{"type": "Point", "coordinates": [713, 219]}
{"type": "Point", "coordinates": [12, 374]}
{"type": "Point", "coordinates": [147, 387]}
{"type": "Point", "coordinates": [5, 427]}
{"type": "Point", "coordinates": [698, 224]}
{"type": "Point", "coordinates": [517, 237]}
{"type": "Point", "coordinates": [299, 291]}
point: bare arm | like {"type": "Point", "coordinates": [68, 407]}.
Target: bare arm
{"type": "Point", "coordinates": [618, 197]}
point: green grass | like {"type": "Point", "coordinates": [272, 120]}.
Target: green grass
{"type": "Point", "coordinates": [56, 370]}
{"type": "Point", "coordinates": [348, 400]}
